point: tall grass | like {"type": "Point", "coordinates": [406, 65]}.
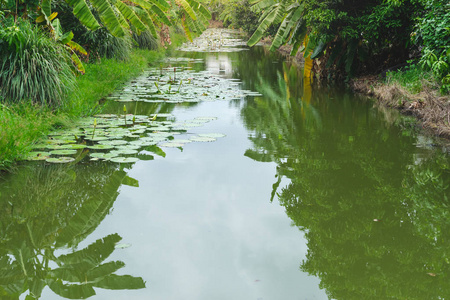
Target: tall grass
{"type": "Point", "coordinates": [103, 77]}
{"type": "Point", "coordinates": [413, 78]}
{"type": "Point", "coordinates": [33, 66]}
{"type": "Point", "coordinates": [21, 125]}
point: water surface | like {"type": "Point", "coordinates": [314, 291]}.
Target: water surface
{"type": "Point", "coordinates": [314, 193]}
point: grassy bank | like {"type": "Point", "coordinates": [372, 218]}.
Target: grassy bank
{"type": "Point", "coordinates": [23, 124]}
{"type": "Point", "coordinates": [414, 92]}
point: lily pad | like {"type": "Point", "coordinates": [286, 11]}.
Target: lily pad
{"type": "Point", "coordinates": [96, 138]}
{"type": "Point", "coordinates": [113, 142]}
{"type": "Point", "coordinates": [125, 151]}
{"type": "Point", "coordinates": [202, 139]}
{"type": "Point", "coordinates": [122, 246]}
{"type": "Point", "coordinates": [124, 159]}
{"type": "Point", "coordinates": [76, 146]}
{"type": "Point", "coordinates": [182, 141]}
{"type": "Point", "coordinates": [128, 147]}
{"type": "Point", "coordinates": [171, 145]}
{"type": "Point", "coordinates": [63, 152]}
{"type": "Point", "coordinates": [206, 118]}
{"type": "Point", "coordinates": [101, 147]}
{"type": "Point", "coordinates": [60, 160]}
{"type": "Point", "coordinates": [108, 155]}
{"type": "Point", "coordinates": [212, 135]}
{"type": "Point", "coordinates": [38, 155]}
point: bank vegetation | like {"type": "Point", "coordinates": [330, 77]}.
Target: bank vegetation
{"type": "Point", "coordinates": [395, 50]}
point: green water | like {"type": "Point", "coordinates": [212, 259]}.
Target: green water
{"type": "Point", "coordinates": [314, 193]}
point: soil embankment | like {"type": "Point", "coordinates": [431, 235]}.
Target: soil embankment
{"type": "Point", "coordinates": [432, 109]}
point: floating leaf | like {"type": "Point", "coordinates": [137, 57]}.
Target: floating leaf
{"type": "Point", "coordinates": [129, 147]}
{"type": "Point", "coordinates": [125, 151]}
{"type": "Point", "coordinates": [104, 155]}
{"type": "Point", "coordinates": [63, 152]}
{"type": "Point", "coordinates": [171, 145]}
{"type": "Point", "coordinates": [122, 246]}
{"type": "Point", "coordinates": [113, 143]}
{"type": "Point", "coordinates": [61, 160]}
{"type": "Point", "coordinates": [97, 138]}
{"type": "Point", "coordinates": [37, 155]}
{"type": "Point", "coordinates": [76, 146]}
{"type": "Point", "coordinates": [182, 141]}
{"type": "Point", "coordinates": [124, 159]}
{"type": "Point", "coordinates": [101, 147]}
{"type": "Point", "coordinates": [212, 135]}
{"type": "Point", "coordinates": [202, 139]}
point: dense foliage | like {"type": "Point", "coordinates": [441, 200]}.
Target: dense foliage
{"type": "Point", "coordinates": [433, 33]}
{"type": "Point", "coordinates": [239, 14]}
{"type": "Point", "coordinates": [347, 38]}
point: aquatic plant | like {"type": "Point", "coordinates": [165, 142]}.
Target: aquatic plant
{"type": "Point", "coordinates": [118, 140]}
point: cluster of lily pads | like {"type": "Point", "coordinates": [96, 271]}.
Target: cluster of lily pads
{"type": "Point", "coordinates": [180, 84]}
{"type": "Point", "coordinates": [121, 139]}
{"type": "Point", "coordinates": [216, 40]}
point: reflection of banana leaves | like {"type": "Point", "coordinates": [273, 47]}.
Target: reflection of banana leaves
{"type": "Point", "coordinates": [29, 244]}
{"type": "Point", "coordinates": [78, 272]}
{"type": "Point", "coordinates": [280, 119]}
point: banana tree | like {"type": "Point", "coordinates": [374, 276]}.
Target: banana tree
{"type": "Point", "coordinates": [117, 15]}
{"type": "Point", "coordinates": [58, 35]}
{"type": "Point", "coordinates": [292, 29]}
{"type": "Point", "coordinates": [31, 246]}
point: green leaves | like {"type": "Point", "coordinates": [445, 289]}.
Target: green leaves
{"type": "Point", "coordinates": [143, 15]}
{"type": "Point", "coordinates": [120, 282]}
{"type": "Point", "coordinates": [82, 11]}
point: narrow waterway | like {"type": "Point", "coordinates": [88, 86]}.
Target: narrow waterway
{"type": "Point", "coordinates": [313, 193]}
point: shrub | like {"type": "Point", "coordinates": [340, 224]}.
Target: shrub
{"type": "Point", "coordinates": [32, 65]}
{"type": "Point", "coordinates": [99, 43]}
{"type": "Point", "coordinates": [433, 33]}
{"type": "Point", "coordinates": [145, 40]}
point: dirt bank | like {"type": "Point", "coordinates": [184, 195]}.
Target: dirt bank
{"type": "Point", "coordinates": [432, 109]}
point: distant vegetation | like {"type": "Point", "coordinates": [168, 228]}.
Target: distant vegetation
{"type": "Point", "coordinates": [349, 38]}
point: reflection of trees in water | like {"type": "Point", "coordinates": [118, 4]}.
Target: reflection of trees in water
{"type": "Point", "coordinates": [57, 207]}
{"type": "Point", "coordinates": [376, 219]}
